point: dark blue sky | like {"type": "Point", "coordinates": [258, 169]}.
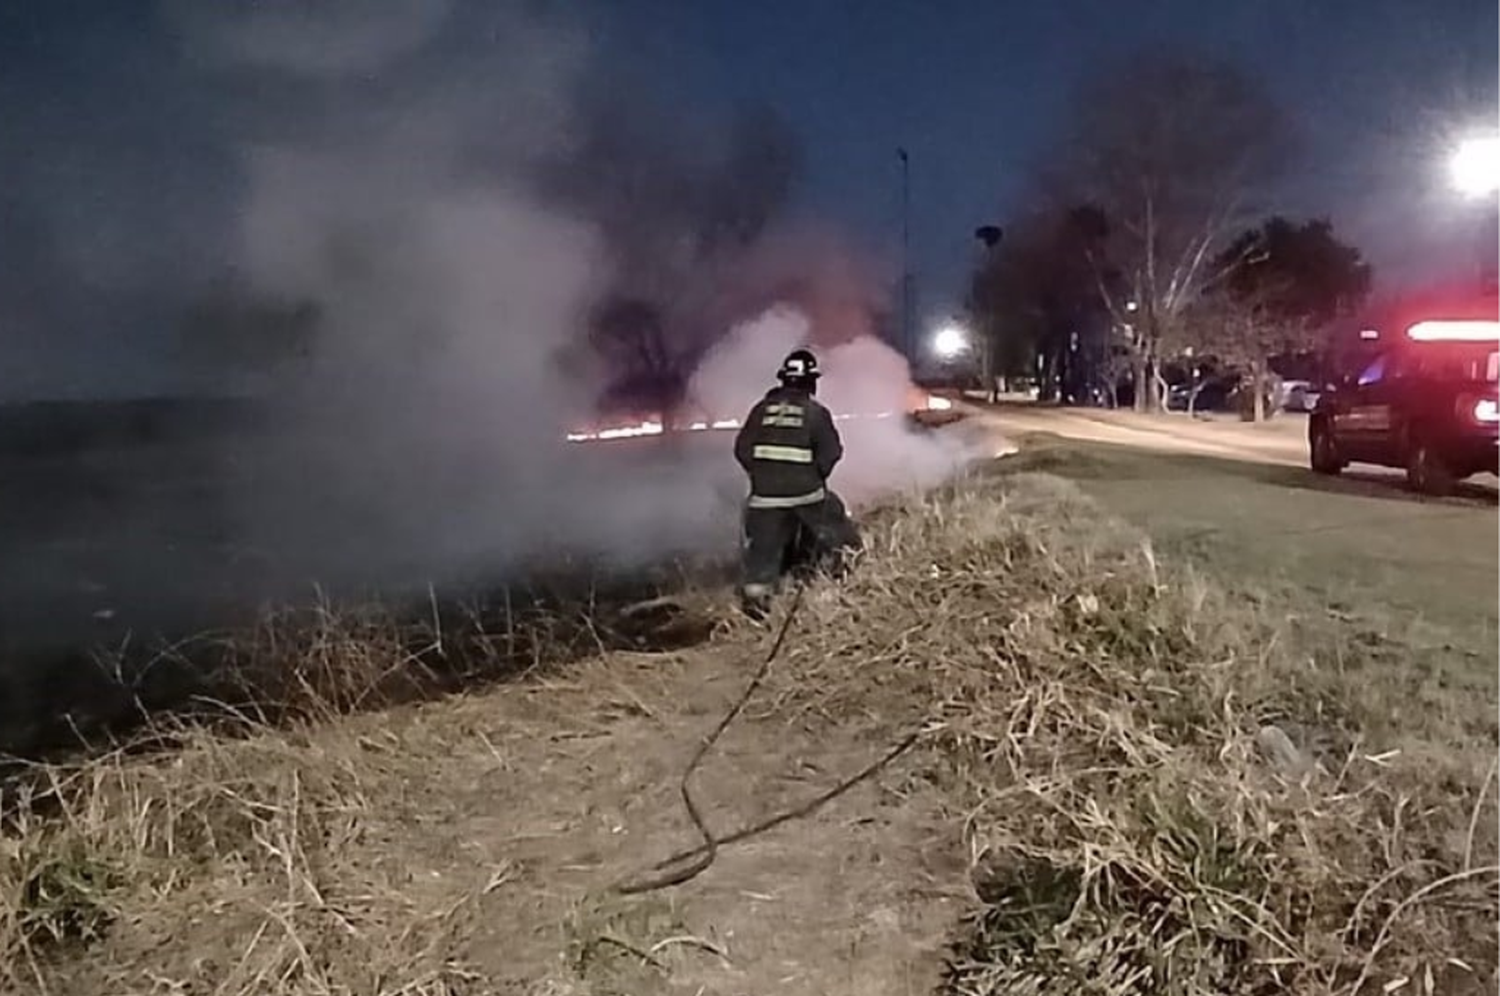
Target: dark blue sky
{"type": "Point", "coordinates": [117, 154]}
{"type": "Point", "coordinates": [973, 89]}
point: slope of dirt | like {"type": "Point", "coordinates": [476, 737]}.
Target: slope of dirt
{"type": "Point", "coordinates": [469, 846]}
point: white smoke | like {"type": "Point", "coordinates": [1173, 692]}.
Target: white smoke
{"type": "Point", "coordinates": [885, 455]}
{"type": "Point", "coordinates": [423, 437]}
{"type": "Point", "coordinates": [420, 436]}
{"type": "Point", "coordinates": [863, 378]}
{"type": "Point", "coordinates": [740, 366]}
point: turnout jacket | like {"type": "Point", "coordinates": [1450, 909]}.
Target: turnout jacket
{"type": "Point", "coordinates": [789, 446]}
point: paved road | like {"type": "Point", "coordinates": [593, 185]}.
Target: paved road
{"type": "Point", "coordinates": [1282, 440]}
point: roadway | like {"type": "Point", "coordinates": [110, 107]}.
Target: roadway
{"type": "Point", "coordinates": [1279, 441]}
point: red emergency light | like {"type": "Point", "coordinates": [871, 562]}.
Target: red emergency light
{"type": "Point", "coordinates": [1454, 331]}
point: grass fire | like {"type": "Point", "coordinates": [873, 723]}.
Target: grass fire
{"type": "Point", "coordinates": [503, 498]}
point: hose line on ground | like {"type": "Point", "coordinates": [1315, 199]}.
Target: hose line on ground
{"type": "Point", "coordinates": [689, 864]}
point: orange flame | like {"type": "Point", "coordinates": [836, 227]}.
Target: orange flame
{"type": "Point", "coordinates": [655, 427]}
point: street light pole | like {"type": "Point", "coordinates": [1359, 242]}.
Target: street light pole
{"type": "Point", "coordinates": [989, 236]}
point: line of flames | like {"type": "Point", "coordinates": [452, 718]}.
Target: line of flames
{"type": "Point", "coordinates": [656, 428]}
{"type": "Point", "coordinates": [653, 428]}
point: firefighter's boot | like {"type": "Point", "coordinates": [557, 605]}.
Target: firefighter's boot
{"type": "Point", "coordinates": [755, 600]}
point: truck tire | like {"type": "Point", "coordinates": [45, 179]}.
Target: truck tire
{"type": "Point", "coordinates": [1323, 450]}
{"type": "Point", "coordinates": [1426, 473]}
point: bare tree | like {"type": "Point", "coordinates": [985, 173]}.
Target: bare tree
{"type": "Point", "coordinates": [1279, 287]}
{"type": "Point", "coordinates": [1175, 153]}
{"type": "Point", "coordinates": [1241, 334]}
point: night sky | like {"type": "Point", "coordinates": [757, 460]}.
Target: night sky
{"type": "Point", "coordinates": [117, 161]}
{"type": "Point", "coordinates": [972, 89]}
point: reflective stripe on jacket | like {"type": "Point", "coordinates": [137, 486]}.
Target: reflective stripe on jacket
{"type": "Point", "coordinates": [782, 454]}
{"type": "Point", "coordinates": [790, 501]}
{"type": "Point", "coordinates": [788, 446]}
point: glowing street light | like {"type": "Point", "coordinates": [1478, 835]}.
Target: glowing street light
{"type": "Point", "coordinates": [949, 341]}
{"type": "Point", "coordinates": [1475, 166]}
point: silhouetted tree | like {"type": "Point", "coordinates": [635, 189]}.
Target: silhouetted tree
{"type": "Point", "coordinates": [1171, 151]}
{"type": "Point", "coordinates": [1296, 271]}
{"type": "Point", "coordinates": [1279, 287]}
{"type": "Point", "coordinates": [646, 367]}
{"type": "Point", "coordinates": [1033, 293]}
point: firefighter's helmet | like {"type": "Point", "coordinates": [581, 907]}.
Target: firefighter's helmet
{"type": "Point", "coordinates": [799, 368]}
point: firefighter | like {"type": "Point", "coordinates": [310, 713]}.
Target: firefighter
{"type": "Point", "coordinates": [789, 445]}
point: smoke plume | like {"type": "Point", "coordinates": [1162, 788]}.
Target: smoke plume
{"type": "Point", "coordinates": [453, 276]}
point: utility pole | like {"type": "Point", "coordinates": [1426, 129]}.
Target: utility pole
{"type": "Point", "coordinates": [989, 236]}
{"type": "Point", "coordinates": [906, 316]}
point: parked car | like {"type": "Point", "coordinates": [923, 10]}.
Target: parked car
{"type": "Point", "coordinates": [1299, 396]}
{"type": "Point", "coordinates": [1211, 396]}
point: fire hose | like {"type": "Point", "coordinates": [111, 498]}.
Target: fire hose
{"type": "Point", "coordinates": [690, 863]}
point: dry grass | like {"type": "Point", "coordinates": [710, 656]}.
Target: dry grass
{"type": "Point", "coordinates": [239, 829]}
{"type": "Point", "coordinates": [1098, 714]}
{"type": "Point", "coordinates": [1094, 715]}
{"type": "Point", "coordinates": [249, 821]}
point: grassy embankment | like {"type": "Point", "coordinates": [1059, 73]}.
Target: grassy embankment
{"type": "Point", "coordinates": [1197, 755]}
